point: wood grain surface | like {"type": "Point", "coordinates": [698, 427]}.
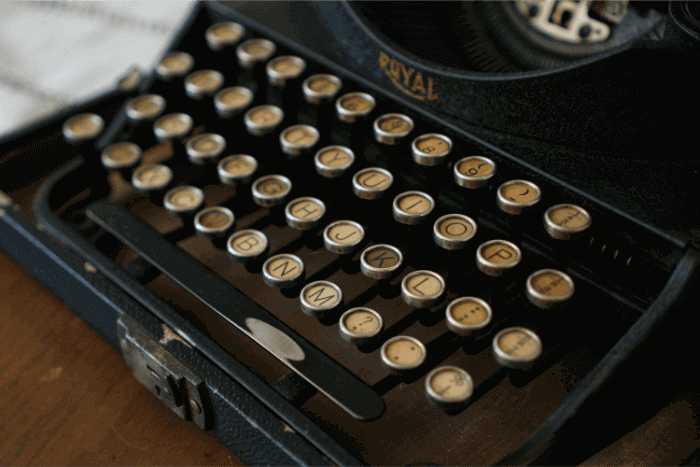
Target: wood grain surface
{"type": "Point", "coordinates": [68, 398]}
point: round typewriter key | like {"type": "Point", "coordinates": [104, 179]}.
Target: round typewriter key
{"type": "Point", "coordinates": [151, 177]}
{"type": "Point", "coordinates": [402, 353]}
{"type": "Point", "coordinates": [320, 88]}
{"type": "Point", "coordinates": [128, 83]}
{"type": "Point", "coordinates": [333, 161]}
{"type": "Point", "coordinates": [353, 106]}
{"type": "Point", "coordinates": [359, 325]}
{"type": "Point", "coordinates": [422, 289]}
{"type": "Point", "coordinates": [120, 156]}
{"type": "Point", "coordinates": [448, 387]}
{"type": "Point", "coordinates": [392, 128]}
{"type": "Point", "coordinates": [298, 139]}
{"type": "Point", "coordinates": [565, 220]}
{"type": "Point", "coordinates": [284, 68]}
{"type": "Point", "coordinates": [183, 200]}
{"type": "Point", "coordinates": [304, 213]}
{"type": "Point", "coordinates": [380, 261]}
{"type": "Point", "coordinates": [206, 147]}
{"type": "Point", "coordinates": [247, 245]}
{"type": "Point", "coordinates": [238, 168]}
{"type": "Point", "coordinates": [371, 183]}
{"type": "Point", "coordinates": [283, 271]}
{"type": "Point", "coordinates": [145, 108]}
{"type": "Point", "coordinates": [431, 149]}
{"type": "Point", "coordinates": [82, 127]}
{"type": "Point", "coordinates": [474, 171]}
{"type": "Point", "coordinates": [214, 222]}
{"type": "Point", "coordinates": [174, 65]}
{"type": "Point", "coordinates": [232, 101]}
{"type": "Point", "coordinates": [172, 126]}
{"type": "Point", "coordinates": [263, 119]}
{"type": "Point", "coordinates": [453, 231]}
{"type": "Point", "coordinates": [254, 51]}
{"type": "Point", "coordinates": [223, 34]}
{"type": "Point", "coordinates": [412, 207]}
{"type": "Point", "coordinates": [467, 314]}
{"type": "Point", "coordinates": [495, 257]}
{"type": "Point", "coordinates": [547, 287]}
{"type": "Point", "coordinates": [203, 83]}
{"type": "Point", "coordinates": [516, 348]}
{"type": "Point", "coordinates": [320, 298]}
{"type": "Point", "coordinates": [516, 195]}
{"type": "Point", "coordinates": [342, 237]}
{"type": "Point", "coordinates": [271, 190]}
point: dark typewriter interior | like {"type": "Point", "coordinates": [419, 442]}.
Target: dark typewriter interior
{"type": "Point", "coordinates": [619, 265]}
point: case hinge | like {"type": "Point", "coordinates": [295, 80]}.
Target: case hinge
{"type": "Point", "coordinates": [162, 374]}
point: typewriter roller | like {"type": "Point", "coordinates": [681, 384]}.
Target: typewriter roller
{"type": "Point", "coordinates": [431, 297]}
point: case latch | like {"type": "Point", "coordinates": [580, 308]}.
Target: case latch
{"type": "Point", "coordinates": [161, 373]}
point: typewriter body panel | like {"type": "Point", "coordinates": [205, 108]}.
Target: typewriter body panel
{"type": "Point", "coordinates": [633, 270]}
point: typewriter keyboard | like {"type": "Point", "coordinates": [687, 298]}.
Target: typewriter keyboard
{"type": "Point", "coordinates": [410, 276]}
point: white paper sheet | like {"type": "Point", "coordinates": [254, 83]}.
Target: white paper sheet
{"type": "Point", "coordinates": [53, 54]}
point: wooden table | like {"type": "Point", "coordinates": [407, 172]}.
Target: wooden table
{"type": "Point", "coordinates": [69, 398]}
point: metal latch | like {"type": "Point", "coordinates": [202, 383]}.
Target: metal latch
{"type": "Point", "coordinates": [162, 374]}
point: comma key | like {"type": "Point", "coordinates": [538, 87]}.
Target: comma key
{"type": "Point", "coordinates": [360, 325]}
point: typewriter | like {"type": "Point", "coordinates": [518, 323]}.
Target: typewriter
{"type": "Point", "coordinates": [387, 234]}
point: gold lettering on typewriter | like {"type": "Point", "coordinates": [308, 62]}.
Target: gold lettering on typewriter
{"type": "Point", "coordinates": [407, 80]}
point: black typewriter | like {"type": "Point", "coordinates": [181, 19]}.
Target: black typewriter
{"type": "Point", "coordinates": [343, 234]}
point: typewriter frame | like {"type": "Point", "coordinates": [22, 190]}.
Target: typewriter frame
{"type": "Point", "coordinates": [253, 419]}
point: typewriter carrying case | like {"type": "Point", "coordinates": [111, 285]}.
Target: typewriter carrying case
{"type": "Point", "coordinates": [643, 258]}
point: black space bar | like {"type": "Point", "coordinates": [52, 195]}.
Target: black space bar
{"type": "Point", "coordinates": [346, 390]}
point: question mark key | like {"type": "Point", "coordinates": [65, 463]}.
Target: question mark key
{"type": "Point", "coordinates": [360, 325]}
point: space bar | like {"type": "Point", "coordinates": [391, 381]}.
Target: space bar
{"type": "Point", "coordinates": [342, 387]}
